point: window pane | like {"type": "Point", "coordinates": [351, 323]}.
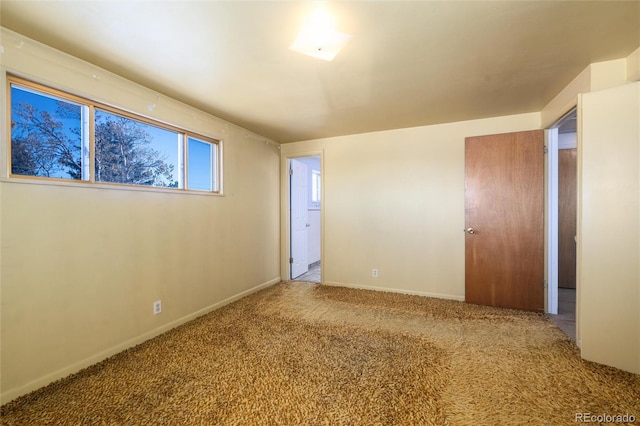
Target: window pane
{"type": "Point", "coordinates": [136, 153]}
{"type": "Point", "coordinates": [200, 167]}
{"type": "Point", "coordinates": [315, 186]}
{"type": "Point", "coordinates": [46, 135]}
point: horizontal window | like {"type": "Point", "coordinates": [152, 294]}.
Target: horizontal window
{"type": "Point", "coordinates": [51, 137]}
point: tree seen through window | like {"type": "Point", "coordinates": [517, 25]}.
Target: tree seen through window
{"type": "Point", "coordinates": [51, 138]}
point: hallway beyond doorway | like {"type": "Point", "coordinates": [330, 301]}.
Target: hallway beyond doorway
{"type": "Point", "coordinates": [312, 275]}
{"type": "Point", "coordinates": [566, 318]}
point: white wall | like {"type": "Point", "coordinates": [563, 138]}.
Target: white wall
{"type": "Point", "coordinates": [80, 266]}
{"type": "Point", "coordinates": [394, 201]}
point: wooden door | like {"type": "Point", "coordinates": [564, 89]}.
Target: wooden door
{"type": "Point", "coordinates": [504, 215]}
{"type": "Point", "coordinates": [567, 188]}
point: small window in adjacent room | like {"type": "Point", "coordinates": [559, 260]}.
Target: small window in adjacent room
{"type": "Point", "coordinates": [315, 186]}
{"type": "Point", "coordinates": [49, 135]}
{"type": "Point", "coordinates": [202, 164]}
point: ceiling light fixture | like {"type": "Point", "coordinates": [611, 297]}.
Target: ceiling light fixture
{"type": "Point", "coordinates": [319, 37]}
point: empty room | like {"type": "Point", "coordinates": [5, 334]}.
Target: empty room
{"type": "Point", "coordinates": [318, 212]}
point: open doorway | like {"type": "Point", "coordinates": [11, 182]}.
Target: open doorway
{"type": "Point", "coordinates": [562, 223]}
{"type": "Point", "coordinates": [305, 183]}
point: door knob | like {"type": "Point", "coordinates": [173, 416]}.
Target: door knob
{"type": "Point", "coordinates": [471, 230]}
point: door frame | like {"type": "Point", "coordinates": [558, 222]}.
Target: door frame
{"type": "Point", "coordinates": [285, 216]}
{"type": "Point", "coordinates": [552, 213]}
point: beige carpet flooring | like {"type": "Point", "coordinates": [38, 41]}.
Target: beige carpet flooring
{"type": "Point", "coordinates": [305, 354]}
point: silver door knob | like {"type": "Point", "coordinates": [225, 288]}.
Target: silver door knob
{"type": "Point", "coordinates": [471, 230]}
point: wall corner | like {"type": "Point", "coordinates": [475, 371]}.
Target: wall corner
{"type": "Point", "coordinates": [608, 74]}
{"type": "Point", "coordinates": [566, 99]}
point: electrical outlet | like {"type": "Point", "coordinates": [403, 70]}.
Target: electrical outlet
{"type": "Point", "coordinates": [157, 307]}
{"type": "Point", "coordinates": [374, 273]}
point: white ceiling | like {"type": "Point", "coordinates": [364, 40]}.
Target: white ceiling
{"type": "Point", "coordinates": [409, 63]}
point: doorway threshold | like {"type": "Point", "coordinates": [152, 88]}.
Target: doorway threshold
{"type": "Point", "coordinates": [566, 317]}
{"type": "Point", "coordinates": [312, 275]}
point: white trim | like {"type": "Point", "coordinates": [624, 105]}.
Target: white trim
{"type": "Point", "coordinates": [396, 290]}
{"type": "Point", "coordinates": [552, 228]}
{"type": "Point", "coordinates": [101, 356]}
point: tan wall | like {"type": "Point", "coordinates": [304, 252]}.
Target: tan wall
{"type": "Point", "coordinates": [608, 74]}
{"type": "Point", "coordinates": [633, 66]}
{"type": "Point", "coordinates": [394, 201]}
{"type": "Point", "coordinates": [596, 76]}
{"type": "Point", "coordinates": [82, 266]}
{"type": "Point", "coordinates": [608, 285]}
{"type": "Point", "coordinates": [609, 226]}
{"type": "Point", "coordinates": [566, 100]}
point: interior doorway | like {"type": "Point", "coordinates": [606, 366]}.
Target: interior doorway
{"type": "Point", "coordinates": [562, 215]}
{"type": "Point", "coordinates": [305, 189]}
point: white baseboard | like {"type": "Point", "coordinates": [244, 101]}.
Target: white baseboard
{"type": "Point", "coordinates": [40, 382]}
{"type": "Point", "coordinates": [397, 290]}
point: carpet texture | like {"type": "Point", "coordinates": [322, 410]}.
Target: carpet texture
{"type": "Point", "coordinates": [305, 354]}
